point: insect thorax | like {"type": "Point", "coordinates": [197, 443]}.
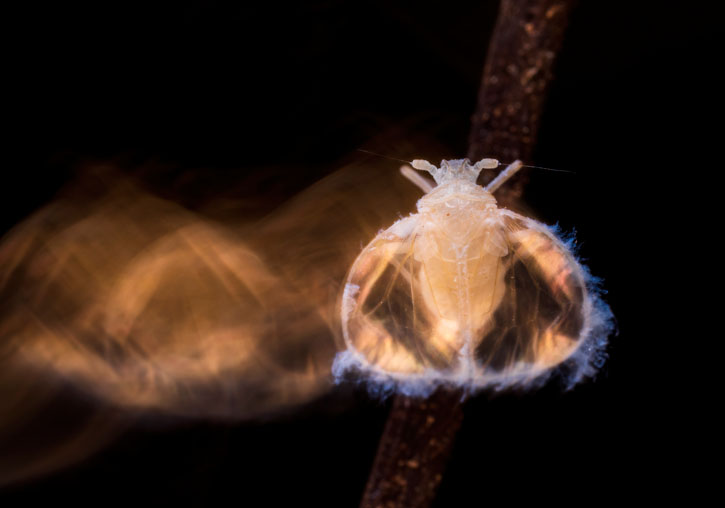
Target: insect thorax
{"type": "Point", "coordinates": [457, 193]}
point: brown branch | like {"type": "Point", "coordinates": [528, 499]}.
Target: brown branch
{"type": "Point", "coordinates": [515, 82]}
{"type": "Point", "coordinates": [413, 450]}
{"type": "Point", "coordinates": [419, 434]}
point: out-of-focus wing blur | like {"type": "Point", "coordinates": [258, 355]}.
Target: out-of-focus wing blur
{"type": "Point", "coordinates": [129, 303]}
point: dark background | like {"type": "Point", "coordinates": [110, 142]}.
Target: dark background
{"type": "Point", "coordinates": [219, 89]}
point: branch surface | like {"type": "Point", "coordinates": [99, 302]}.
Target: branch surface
{"type": "Point", "coordinates": [515, 83]}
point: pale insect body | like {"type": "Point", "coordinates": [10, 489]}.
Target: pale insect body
{"type": "Point", "coordinates": [468, 294]}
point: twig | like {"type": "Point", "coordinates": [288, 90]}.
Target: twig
{"type": "Point", "coordinates": [515, 83]}
{"type": "Point", "coordinates": [413, 450]}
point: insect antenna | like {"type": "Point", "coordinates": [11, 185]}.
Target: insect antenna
{"type": "Point", "coordinates": [510, 170]}
{"type": "Point", "coordinates": [541, 167]}
{"type": "Point", "coordinates": [381, 155]}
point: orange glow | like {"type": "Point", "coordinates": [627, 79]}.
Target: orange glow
{"type": "Point", "coordinates": [146, 306]}
{"type": "Point", "coordinates": [135, 305]}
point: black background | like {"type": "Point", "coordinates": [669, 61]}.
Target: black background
{"type": "Point", "coordinates": [221, 89]}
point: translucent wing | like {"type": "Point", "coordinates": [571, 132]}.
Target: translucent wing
{"type": "Point", "coordinates": [487, 298]}
{"type": "Point", "coordinates": [384, 319]}
{"type": "Point", "coordinates": [544, 314]}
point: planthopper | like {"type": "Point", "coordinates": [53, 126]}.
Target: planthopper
{"type": "Point", "coordinates": [467, 294]}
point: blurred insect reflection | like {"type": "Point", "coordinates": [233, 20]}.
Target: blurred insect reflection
{"type": "Point", "coordinates": [139, 304]}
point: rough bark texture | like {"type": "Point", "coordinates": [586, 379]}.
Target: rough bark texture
{"type": "Point", "coordinates": [419, 434]}
{"type": "Point", "coordinates": [516, 78]}
{"type": "Point", "coordinates": [413, 450]}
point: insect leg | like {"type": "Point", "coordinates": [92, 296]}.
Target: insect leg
{"type": "Point", "coordinates": [504, 175]}
{"type": "Point", "coordinates": [423, 183]}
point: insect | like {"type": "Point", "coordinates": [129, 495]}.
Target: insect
{"type": "Point", "coordinates": [468, 294]}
